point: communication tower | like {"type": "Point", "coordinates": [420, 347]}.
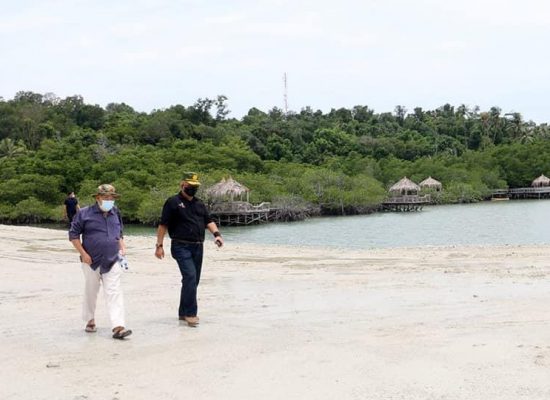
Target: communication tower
{"type": "Point", "coordinates": [285, 95]}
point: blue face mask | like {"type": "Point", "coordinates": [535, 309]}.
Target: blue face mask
{"type": "Point", "coordinates": [107, 205]}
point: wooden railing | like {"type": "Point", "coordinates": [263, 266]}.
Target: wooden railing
{"type": "Point", "coordinates": [238, 207]}
{"type": "Point", "coordinates": [525, 190]}
{"type": "Point", "coordinates": [530, 190]}
{"type": "Point", "coordinates": [408, 199]}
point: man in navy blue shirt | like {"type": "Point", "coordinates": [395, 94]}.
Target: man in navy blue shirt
{"type": "Point", "coordinates": [185, 217]}
{"type": "Point", "coordinates": [70, 207]}
{"type": "Point", "coordinates": [100, 226]}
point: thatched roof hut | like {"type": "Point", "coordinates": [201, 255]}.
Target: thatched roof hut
{"type": "Point", "coordinates": [431, 183]}
{"type": "Point", "coordinates": [228, 189]}
{"type": "Point", "coordinates": [541, 181]}
{"type": "Point", "coordinates": [404, 186]}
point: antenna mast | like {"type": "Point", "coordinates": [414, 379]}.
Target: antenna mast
{"type": "Point", "coordinates": [285, 95]}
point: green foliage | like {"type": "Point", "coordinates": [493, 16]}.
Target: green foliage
{"type": "Point", "coordinates": [25, 186]}
{"type": "Point", "coordinates": [342, 161]}
{"type": "Point", "coordinates": [31, 211]}
{"type": "Point", "coordinates": [86, 191]}
{"type": "Point", "coordinates": [264, 187]}
{"type": "Point", "coordinates": [150, 208]}
{"type": "Point", "coordinates": [5, 212]}
{"type": "Point", "coordinates": [464, 193]}
{"type": "Point", "coordinates": [130, 200]}
{"type": "Point", "coordinates": [336, 192]}
{"type": "Point", "coordinates": [9, 148]}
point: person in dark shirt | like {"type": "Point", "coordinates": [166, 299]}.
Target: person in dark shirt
{"type": "Point", "coordinates": [70, 207]}
{"type": "Point", "coordinates": [101, 248]}
{"type": "Point", "coordinates": [185, 218]}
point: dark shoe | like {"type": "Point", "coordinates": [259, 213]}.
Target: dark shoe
{"type": "Point", "coordinates": [122, 333]}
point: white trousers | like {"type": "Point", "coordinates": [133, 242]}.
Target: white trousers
{"type": "Point", "coordinates": [111, 290]}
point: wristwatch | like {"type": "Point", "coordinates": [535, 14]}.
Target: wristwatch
{"type": "Point", "coordinates": [158, 245]}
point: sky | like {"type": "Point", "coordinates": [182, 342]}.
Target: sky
{"type": "Point", "coordinates": [151, 54]}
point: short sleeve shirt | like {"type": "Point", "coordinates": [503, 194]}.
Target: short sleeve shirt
{"type": "Point", "coordinates": [186, 219]}
{"type": "Point", "coordinates": [71, 203]}
{"type": "Point", "coordinates": [101, 233]}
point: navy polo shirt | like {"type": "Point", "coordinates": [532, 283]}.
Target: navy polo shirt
{"type": "Point", "coordinates": [101, 233]}
{"type": "Point", "coordinates": [186, 219]}
{"type": "Point", "coordinates": [71, 203]}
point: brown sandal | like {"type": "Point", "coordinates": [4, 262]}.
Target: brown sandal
{"type": "Point", "coordinates": [122, 333]}
{"type": "Point", "coordinates": [90, 328]}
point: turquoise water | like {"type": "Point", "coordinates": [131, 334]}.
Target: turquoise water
{"type": "Point", "coordinates": [496, 223]}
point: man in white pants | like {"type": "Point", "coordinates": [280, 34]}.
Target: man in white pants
{"type": "Point", "coordinates": [102, 241]}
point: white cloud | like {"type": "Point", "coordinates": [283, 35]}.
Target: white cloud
{"type": "Point", "coordinates": [22, 23]}
{"type": "Point", "coordinates": [226, 19]}
{"type": "Point", "coordinates": [134, 30]}
{"type": "Point", "coordinates": [336, 53]}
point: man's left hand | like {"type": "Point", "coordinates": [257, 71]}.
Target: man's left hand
{"type": "Point", "coordinates": [219, 241]}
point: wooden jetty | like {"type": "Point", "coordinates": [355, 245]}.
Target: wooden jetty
{"type": "Point", "coordinates": [406, 203]}
{"type": "Point", "coordinates": [241, 213]}
{"type": "Point", "coordinates": [522, 193]}
{"type": "Point", "coordinates": [227, 206]}
{"type": "Point", "coordinates": [540, 189]}
{"type": "Point", "coordinates": [405, 197]}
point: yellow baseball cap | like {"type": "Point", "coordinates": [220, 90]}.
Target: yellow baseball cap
{"type": "Point", "coordinates": [191, 178]}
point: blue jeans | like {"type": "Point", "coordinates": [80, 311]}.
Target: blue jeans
{"type": "Point", "coordinates": [189, 259]}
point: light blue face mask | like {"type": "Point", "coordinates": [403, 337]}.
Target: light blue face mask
{"type": "Point", "coordinates": [107, 205]}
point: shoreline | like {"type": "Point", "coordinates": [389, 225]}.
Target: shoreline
{"type": "Point", "coordinates": [293, 322]}
{"type": "Point", "coordinates": [354, 249]}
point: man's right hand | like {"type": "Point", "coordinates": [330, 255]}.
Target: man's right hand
{"type": "Point", "coordinates": [86, 259]}
{"type": "Point", "coordinates": [159, 253]}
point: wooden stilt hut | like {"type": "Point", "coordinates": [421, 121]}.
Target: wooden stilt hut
{"type": "Point", "coordinates": [229, 204]}
{"type": "Point", "coordinates": [431, 183]}
{"type": "Point", "coordinates": [404, 197]}
{"type": "Point", "coordinates": [541, 181]}
{"type": "Point", "coordinates": [228, 190]}
{"type": "Point", "coordinates": [405, 187]}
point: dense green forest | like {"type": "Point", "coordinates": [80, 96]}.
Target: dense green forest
{"type": "Point", "coordinates": [342, 161]}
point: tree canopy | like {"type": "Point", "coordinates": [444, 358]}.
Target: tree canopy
{"type": "Point", "coordinates": [342, 161]}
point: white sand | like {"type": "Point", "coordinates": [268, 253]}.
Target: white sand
{"type": "Point", "coordinates": [281, 323]}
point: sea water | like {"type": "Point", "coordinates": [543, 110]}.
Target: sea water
{"type": "Point", "coordinates": [487, 223]}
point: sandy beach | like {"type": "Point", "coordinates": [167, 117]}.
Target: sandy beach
{"type": "Point", "coordinates": [280, 323]}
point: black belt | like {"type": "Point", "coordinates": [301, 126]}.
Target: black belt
{"type": "Point", "coordinates": [185, 241]}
